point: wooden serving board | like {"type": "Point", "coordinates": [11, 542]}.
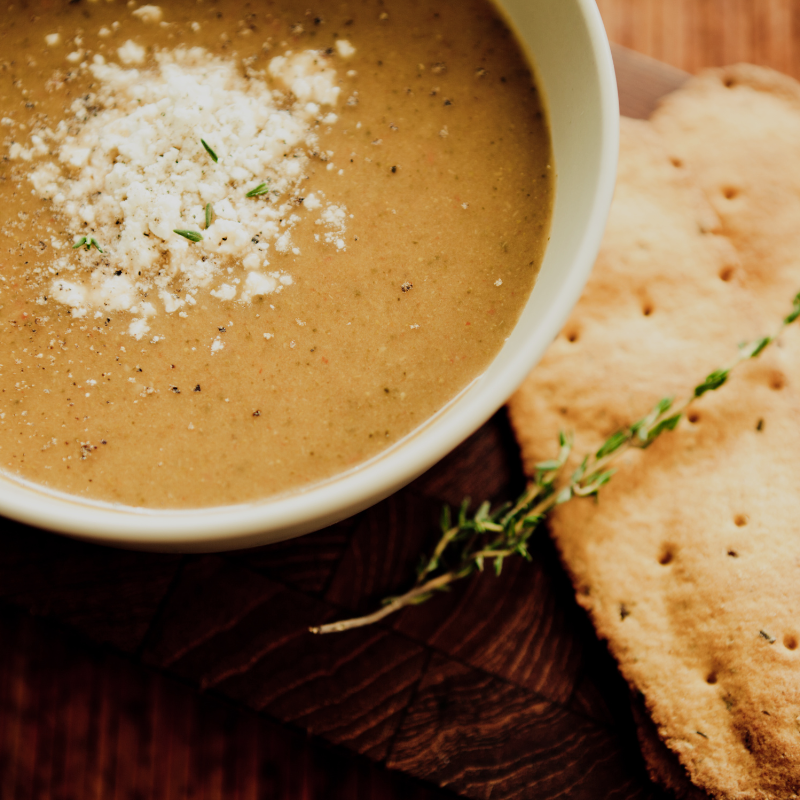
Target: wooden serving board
{"type": "Point", "coordinates": [168, 676]}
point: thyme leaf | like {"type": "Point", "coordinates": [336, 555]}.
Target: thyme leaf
{"type": "Point", "coordinates": [192, 236]}
{"type": "Point", "coordinates": [468, 542]}
{"type": "Point", "coordinates": [209, 214]}
{"type": "Point", "coordinates": [88, 242]}
{"type": "Point", "coordinates": [262, 188]}
{"type": "Point", "coordinates": [209, 151]}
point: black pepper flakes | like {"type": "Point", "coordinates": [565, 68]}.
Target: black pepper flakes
{"type": "Point", "coordinates": [197, 388]}
{"type": "Point", "coordinates": [175, 389]}
{"type": "Point", "coordinates": [407, 286]}
{"type": "Point", "coordinates": [221, 330]}
{"type": "Point", "coordinates": [256, 413]}
{"type": "Point", "coordinates": [394, 169]}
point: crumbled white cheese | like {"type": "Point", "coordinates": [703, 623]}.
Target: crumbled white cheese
{"type": "Point", "coordinates": [259, 285]}
{"type": "Point", "coordinates": [149, 13]}
{"type": "Point", "coordinates": [307, 76]}
{"type": "Point", "coordinates": [334, 218]}
{"type": "Point", "coordinates": [225, 292]}
{"type": "Point", "coordinates": [344, 48]}
{"type": "Point", "coordinates": [312, 202]}
{"type": "Point", "coordinates": [217, 345]}
{"type": "Point", "coordinates": [131, 53]}
{"type": "Point", "coordinates": [52, 39]}
{"type": "Point", "coordinates": [129, 169]}
{"type": "Point", "coordinates": [138, 328]}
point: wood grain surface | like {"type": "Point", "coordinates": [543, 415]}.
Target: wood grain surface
{"type": "Point", "coordinates": [80, 721]}
{"type": "Point", "coordinates": [497, 689]}
{"type": "Point", "coordinates": [694, 34]}
{"type": "Point", "coordinates": [133, 675]}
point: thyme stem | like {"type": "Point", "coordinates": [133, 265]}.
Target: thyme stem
{"type": "Point", "coordinates": [504, 532]}
{"type": "Point", "coordinates": [395, 605]}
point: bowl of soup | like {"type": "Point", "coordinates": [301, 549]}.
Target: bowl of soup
{"type": "Point", "coordinates": [263, 264]}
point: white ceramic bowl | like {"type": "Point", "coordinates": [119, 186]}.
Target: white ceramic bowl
{"type": "Point", "coordinates": [574, 70]}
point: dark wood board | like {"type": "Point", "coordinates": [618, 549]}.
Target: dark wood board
{"type": "Point", "coordinates": [170, 676]}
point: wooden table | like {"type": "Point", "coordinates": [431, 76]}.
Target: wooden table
{"type": "Point", "coordinates": [137, 675]}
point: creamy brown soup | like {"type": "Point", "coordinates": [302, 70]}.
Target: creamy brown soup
{"type": "Point", "coordinates": [438, 164]}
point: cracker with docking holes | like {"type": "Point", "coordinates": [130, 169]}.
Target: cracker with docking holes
{"type": "Point", "coordinates": [689, 562]}
{"type": "Point", "coordinates": [737, 129]}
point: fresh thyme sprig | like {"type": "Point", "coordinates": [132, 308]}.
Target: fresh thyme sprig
{"type": "Point", "coordinates": [468, 542]}
{"type": "Point", "coordinates": [88, 242]}
{"type": "Point", "coordinates": [192, 236]}
{"type": "Point", "coordinates": [209, 151]}
{"type": "Point", "coordinates": [262, 188]}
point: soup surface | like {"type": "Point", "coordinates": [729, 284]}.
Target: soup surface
{"type": "Point", "coordinates": [332, 285]}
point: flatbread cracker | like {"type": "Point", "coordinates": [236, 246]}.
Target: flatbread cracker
{"type": "Point", "coordinates": [662, 307]}
{"type": "Point", "coordinates": [663, 766]}
{"type": "Point", "coordinates": [738, 131]}
{"type": "Point", "coordinates": [688, 564]}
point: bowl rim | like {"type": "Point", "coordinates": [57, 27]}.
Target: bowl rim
{"type": "Point", "coordinates": [260, 522]}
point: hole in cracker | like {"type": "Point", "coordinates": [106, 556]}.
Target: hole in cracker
{"type": "Point", "coordinates": [726, 273]}
{"type": "Point", "coordinates": [711, 678]}
{"type": "Point", "coordinates": [733, 554]}
{"type": "Point", "coordinates": [777, 380]}
{"type": "Point", "coordinates": [730, 192]}
{"type": "Point", "coordinates": [573, 336]}
{"type": "Point", "coordinates": [729, 83]}
{"type": "Point", "coordinates": [623, 611]}
{"type": "Point", "coordinates": [693, 417]}
{"type": "Point", "coordinates": [666, 556]}
{"type": "Point", "coordinates": [760, 425]}
{"type": "Point", "coordinates": [740, 520]}
{"type": "Point", "coordinates": [647, 309]}
{"type": "Point", "coordinates": [676, 162]}
{"type": "Point", "coordinates": [790, 641]}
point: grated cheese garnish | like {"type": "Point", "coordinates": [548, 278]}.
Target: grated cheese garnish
{"type": "Point", "coordinates": [128, 168]}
